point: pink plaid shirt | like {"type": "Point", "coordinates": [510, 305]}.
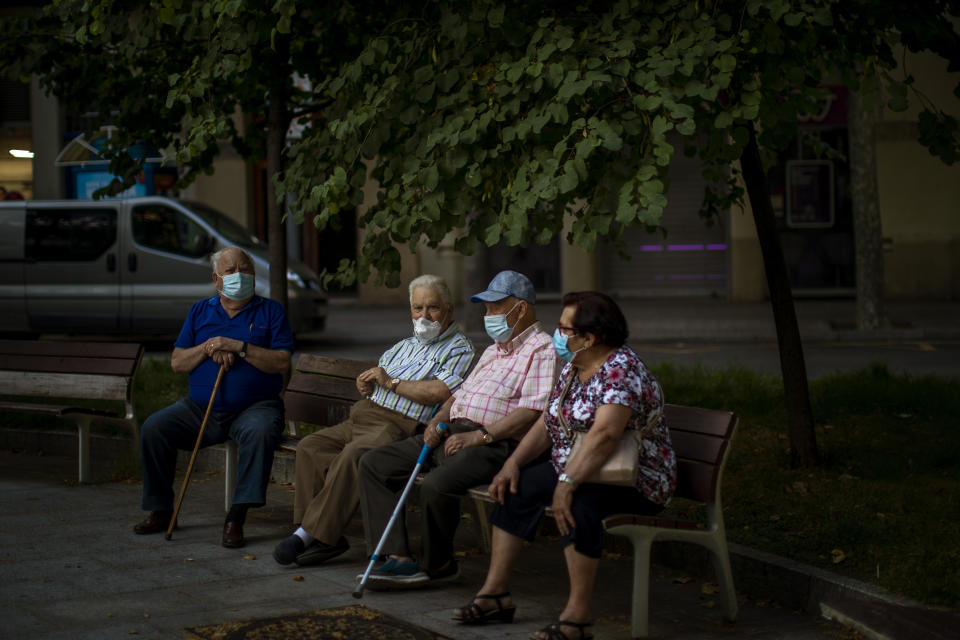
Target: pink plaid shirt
{"type": "Point", "coordinates": [516, 375]}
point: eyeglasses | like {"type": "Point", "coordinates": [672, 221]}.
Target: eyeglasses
{"type": "Point", "coordinates": [567, 331]}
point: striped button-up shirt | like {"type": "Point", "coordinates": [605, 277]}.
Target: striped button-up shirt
{"type": "Point", "coordinates": [516, 375]}
{"type": "Point", "coordinates": [447, 358]}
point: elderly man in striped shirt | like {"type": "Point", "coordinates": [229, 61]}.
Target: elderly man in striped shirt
{"type": "Point", "coordinates": [486, 417]}
{"type": "Point", "coordinates": [413, 376]}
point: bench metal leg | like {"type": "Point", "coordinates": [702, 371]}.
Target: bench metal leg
{"type": "Point", "coordinates": [229, 472]}
{"type": "Point", "coordinates": [83, 449]}
{"type": "Point", "coordinates": [721, 566]}
{"type": "Point", "coordinates": [640, 608]}
{"type": "Point", "coordinates": [483, 525]}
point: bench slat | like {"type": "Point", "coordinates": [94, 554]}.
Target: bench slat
{"type": "Point", "coordinates": [63, 385]}
{"type": "Point", "coordinates": [60, 364]}
{"type": "Point", "coordinates": [697, 446]}
{"type": "Point", "coordinates": [334, 367]}
{"type": "Point", "coordinates": [696, 480]}
{"type": "Point", "coordinates": [129, 350]}
{"type": "Point", "coordinates": [649, 521]}
{"type": "Point", "coordinates": [320, 411]}
{"type": "Point", "coordinates": [697, 420]}
{"type": "Point", "coordinates": [56, 410]}
{"type": "Point", "coordinates": [345, 390]}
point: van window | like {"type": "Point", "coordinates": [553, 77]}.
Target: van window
{"type": "Point", "coordinates": [230, 229]}
{"type": "Point", "coordinates": [158, 227]}
{"type": "Point", "coordinates": [69, 235]}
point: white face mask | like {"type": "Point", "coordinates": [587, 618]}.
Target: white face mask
{"type": "Point", "coordinates": [237, 286]}
{"type": "Point", "coordinates": [426, 330]}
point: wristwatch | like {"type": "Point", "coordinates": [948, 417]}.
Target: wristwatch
{"type": "Point", "coordinates": [485, 436]}
{"type": "Point", "coordinates": [393, 384]}
{"type": "Point", "coordinates": [243, 350]}
{"type": "Point", "coordinates": [570, 481]}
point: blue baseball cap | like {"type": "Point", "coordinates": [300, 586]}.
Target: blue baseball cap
{"type": "Point", "coordinates": [505, 284]}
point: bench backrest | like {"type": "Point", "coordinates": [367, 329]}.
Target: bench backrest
{"type": "Point", "coordinates": [322, 389]}
{"type": "Point", "coordinates": [88, 370]}
{"type": "Point", "coordinates": [701, 440]}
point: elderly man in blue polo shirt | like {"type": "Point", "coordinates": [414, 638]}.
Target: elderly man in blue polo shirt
{"type": "Point", "coordinates": [251, 338]}
{"type": "Point", "coordinates": [412, 377]}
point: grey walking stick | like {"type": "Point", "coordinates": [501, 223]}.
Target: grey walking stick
{"type": "Point", "coordinates": [424, 452]}
{"type": "Point", "coordinates": [193, 457]}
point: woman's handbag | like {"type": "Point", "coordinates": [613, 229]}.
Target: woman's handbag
{"type": "Point", "coordinates": [621, 467]}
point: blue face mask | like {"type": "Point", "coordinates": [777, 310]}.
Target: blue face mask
{"type": "Point", "coordinates": [560, 346]}
{"type": "Point", "coordinates": [237, 286]}
{"type": "Point", "coordinates": [497, 327]}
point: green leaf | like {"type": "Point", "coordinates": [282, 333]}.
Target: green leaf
{"type": "Point", "coordinates": [723, 120]}
{"type": "Point", "coordinates": [492, 235]}
{"type": "Point", "coordinates": [569, 179]}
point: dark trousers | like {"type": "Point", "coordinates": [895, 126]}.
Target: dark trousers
{"type": "Point", "coordinates": [521, 512]}
{"type": "Point", "coordinates": [257, 431]}
{"type": "Point", "coordinates": [384, 472]}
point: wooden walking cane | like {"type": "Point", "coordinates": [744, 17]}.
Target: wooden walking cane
{"type": "Point", "coordinates": [193, 456]}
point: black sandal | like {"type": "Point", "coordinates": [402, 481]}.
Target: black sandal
{"type": "Point", "coordinates": [552, 631]}
{"type": "Point", "coordinates": [472, 614]}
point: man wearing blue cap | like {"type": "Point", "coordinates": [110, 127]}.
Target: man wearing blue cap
{"type": "Point", "coordinates": [486, 417]}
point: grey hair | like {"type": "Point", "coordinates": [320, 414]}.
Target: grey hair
{"type": "Point", "coordinates": [215, 258]}
{"type": "Point", "coordinates": [436, 283]}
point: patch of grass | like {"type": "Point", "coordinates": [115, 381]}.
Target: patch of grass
{"type": "Point", "coordinates": [883, 505]}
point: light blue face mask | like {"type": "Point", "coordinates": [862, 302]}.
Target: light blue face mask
{"type": "Point", "coordinates": [560, 346]}
{"type": "Point", "coordinates": [237, 286]}
{"type": "Point", "coordinates": [497, 327]}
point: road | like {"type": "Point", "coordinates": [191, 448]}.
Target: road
{"type": "Point", "coordinates": [822, 357]}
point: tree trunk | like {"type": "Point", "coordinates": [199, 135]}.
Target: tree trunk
{"type": "Point", "coordinates": [803, 445]}
{"type": "Point", "coordinates": [278, 120]}
{"type": "Point", "coordinates": [867, 226]}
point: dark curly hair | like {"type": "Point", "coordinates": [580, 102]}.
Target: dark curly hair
{"type": "Point", "coordinates": [598, 314]}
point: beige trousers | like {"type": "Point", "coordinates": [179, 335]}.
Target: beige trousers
{"type": "Point", "coordinates": [326, 491]}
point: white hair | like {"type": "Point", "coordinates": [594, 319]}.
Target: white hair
{"type": "Point", "coordinates": [215, 258]}
{"type": "Point", "coordinates": [436, 283]}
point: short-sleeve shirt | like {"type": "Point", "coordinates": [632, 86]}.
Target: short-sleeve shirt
{"type": "Point", "coordinates": [446, 358]}
{"type": "Point", "coordinates": [261, 322]}
{"type": "Point", "coordinates": [625, 380]}
{"type": "Point", "coordinates": [515, 375]}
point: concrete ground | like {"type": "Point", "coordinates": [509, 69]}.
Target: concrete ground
{"type": "Point", "coordinates": [72, 568]}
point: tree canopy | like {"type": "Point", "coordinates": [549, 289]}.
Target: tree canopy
{"type": "Point", "coordinates": [495, 120]}
{"type": "Point", "coordinates": [491, 120]}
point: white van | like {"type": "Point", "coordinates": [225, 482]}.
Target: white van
{"type": "Point", "coordinates": [131, 265]}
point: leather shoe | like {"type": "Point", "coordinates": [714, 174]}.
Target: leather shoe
{"type": "Point", "coordinates": [233, 535]}
{"type": "Point", "coordinates": [156, 522]}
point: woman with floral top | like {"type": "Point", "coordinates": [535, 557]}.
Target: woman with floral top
{"type": "Point", "coordinates": [604, 389]}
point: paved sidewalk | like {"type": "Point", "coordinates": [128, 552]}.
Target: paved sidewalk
{"type": "Point", "coordinates": [72, 568]}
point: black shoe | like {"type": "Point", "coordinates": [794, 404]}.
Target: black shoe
{"type": "Point", "coordinates": [288, 549]}
{"type": "Point", "coordinates": [318, 552]}
{"type": "Point", "coordinates": [156, 522]}
{"type": "Point", "coordinates": [233, 535]}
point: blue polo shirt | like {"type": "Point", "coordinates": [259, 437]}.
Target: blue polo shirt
{"type": "Point", "coordinates": [262, 322]}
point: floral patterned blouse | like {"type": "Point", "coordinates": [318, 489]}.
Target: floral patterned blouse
{"type": "Point", "coordinates": [623, 379]}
